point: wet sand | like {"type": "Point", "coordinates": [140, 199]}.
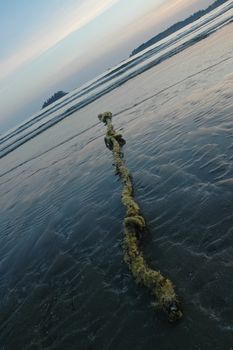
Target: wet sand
{"type": "Point", "coordinates": [63, 283]}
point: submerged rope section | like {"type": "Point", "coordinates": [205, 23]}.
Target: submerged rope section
{"type": "Point", "coordinates": [160, 287]}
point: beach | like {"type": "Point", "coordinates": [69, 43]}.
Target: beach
{"type": "Point", "coordinates": [63, 282]}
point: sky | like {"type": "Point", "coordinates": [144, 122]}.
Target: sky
{"type": "Point", "coordinates": [50, 45]}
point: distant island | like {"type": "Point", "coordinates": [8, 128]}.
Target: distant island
{"type": "Point", "coordinates": [177, 26]}
{"type": "Point", "coordinates": [54, 98]}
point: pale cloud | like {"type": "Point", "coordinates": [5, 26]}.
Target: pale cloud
{"type": "Point", "coordinates": [151, 22]}
{"type": "Point", "coordinates": [70, 19]}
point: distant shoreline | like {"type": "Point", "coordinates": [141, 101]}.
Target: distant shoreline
{"type": "Point", "coordinates": [175, 27]}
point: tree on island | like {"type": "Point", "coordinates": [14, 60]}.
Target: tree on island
{"type": "Point", "coordinates": [54, 98]}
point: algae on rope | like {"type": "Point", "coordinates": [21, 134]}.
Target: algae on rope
{"type": "Point", "coordinates": [160, 287]}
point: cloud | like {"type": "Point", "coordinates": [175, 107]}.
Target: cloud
{"type": "Point", "coordinates": [62, 23]}
{"type": "Point", "coordinates": [155, 20]}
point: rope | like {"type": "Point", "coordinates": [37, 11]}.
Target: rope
{"type": "Point", "coordinates": [160, 287]}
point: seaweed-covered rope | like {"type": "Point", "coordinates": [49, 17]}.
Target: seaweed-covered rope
{"type": "Point", "coordinates": [160, 287]}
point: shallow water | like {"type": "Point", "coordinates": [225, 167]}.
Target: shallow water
{"type": "Point", "coordinates": [63, 284]}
